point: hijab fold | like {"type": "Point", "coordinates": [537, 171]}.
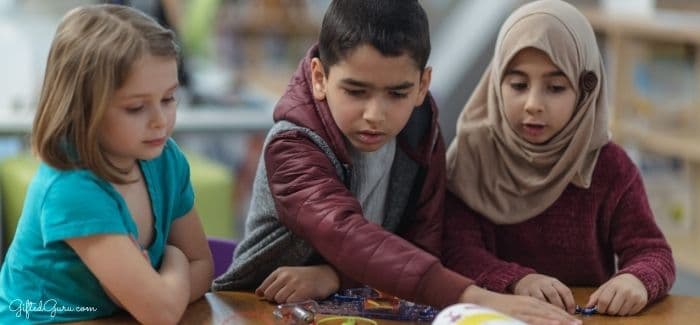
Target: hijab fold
{"type": "Point", "coordinates": [489, 166]}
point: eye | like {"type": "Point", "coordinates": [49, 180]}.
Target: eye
{"type": "Point", "coordinates": [354, 92]}
{"type": "Point", "coordinates": [557, 88]}
{"type": "Point", "coordinates": [134, 109]}
{"type": "Point", "coordinates": [168, 100]}
{"type": "Point", "coordinates": [398, 94]}
{"type": "Point", "coordinates": [518, 86]}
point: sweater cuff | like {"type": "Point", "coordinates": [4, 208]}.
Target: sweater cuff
{"type": "Point", "coordinates": [441, 287]}
{"type": "Point", "coordinates": [655, 289]}
{"type": "Point", "coordinates": [500, 280]}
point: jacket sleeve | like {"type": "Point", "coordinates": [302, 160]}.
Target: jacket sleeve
{"type": "Point", "coordinates": [638, 242]}
{"type": "Point", "coordinates": [469, 246]}
{"type": "Point", "coordinates": [315, 205]}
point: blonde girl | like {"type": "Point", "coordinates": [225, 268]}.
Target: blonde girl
{"type": "Point", "coordinates": [108, 220]}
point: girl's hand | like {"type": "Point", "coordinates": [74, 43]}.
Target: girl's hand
{"type": "Point", "coordinates": [547, 289]}
{"type": "Point", "coordinates": [527, 309]}
{"type": "Point", "coordinates": [622, 295]}
{"type": "Point", "coordinates": [293, 284]}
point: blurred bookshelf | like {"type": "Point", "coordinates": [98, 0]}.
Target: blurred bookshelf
{"type": "Point", "coordinates": [653, 63]}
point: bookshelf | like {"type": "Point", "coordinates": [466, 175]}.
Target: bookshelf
{"type": "Point", "coordinates": [668, 127]}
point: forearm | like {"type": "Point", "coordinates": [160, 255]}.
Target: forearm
{"type": "Point", "coordinates": [175, 276]}
{"type": "Point", "coordinates": [201, 274]}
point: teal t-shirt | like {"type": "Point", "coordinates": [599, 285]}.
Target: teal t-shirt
{"type": "Point", "coordinates": [42, 279]}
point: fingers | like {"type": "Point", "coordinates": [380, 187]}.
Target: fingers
{"type": "Point", "coordinates": [260, 291]}
{"type": "Point", "coordinates": [593, 299]}
{"type": "Point", "coordinates": [566, 296]}
{"type": "Point", "coordinates": [605, 299]}
{"type": "Point", "coordinates": [626, 307]}
{"type": "Point", "coordinates": [537, 312]}
{"type": "Point", "coordinates": [552, 295]}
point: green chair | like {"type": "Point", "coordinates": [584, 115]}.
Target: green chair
{"type": "Point", "coordinates": [15, 174]}
{"type": "Point", "coordinates": [212, 182]}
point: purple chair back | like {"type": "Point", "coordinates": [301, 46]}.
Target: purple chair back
{"type": "Point", "coordinates": [222, 250]}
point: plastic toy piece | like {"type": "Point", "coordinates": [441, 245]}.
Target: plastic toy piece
{"type": "Point", "coordinates": [301, 313]}
{"type": "Point", "coordinates": [586, 311]}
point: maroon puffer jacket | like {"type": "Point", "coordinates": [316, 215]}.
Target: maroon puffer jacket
{"type": "Point", "coordinates": [313, 202]}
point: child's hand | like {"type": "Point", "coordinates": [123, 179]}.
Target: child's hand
{"type": "Point", "coordinates": [293, 284]}
{"type": "Point", "coordinates": [622, 295]}
{"type": "Point", "coordinates": [547, 289]}
{"type": "Point", "coordinates": [527, 309]}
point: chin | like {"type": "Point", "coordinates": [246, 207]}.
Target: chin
{"type": "Point", "coordinates": [151, 155]}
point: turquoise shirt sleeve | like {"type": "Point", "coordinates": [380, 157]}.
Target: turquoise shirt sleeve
{"type": "Point", "coordinates": [79, 205]}
{"type": "Point", "coordinates": [184, 193]}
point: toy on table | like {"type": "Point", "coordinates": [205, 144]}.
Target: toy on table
{"type": "Point", "coordinates": [359, 304]}
{"type": "Point", "coordinates": [370, 303]}
{"type": "Point", "coordinates": [299, 313]}
{"type": "Point", "coordinates": [586, 311]}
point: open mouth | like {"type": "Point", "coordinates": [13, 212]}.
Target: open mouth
{"type": "Point", "coordinates": [532, 129]}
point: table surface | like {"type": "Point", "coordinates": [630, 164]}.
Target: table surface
{"type": "Point", "coordinates": [242, 308]}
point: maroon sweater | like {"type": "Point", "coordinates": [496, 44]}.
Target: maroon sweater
{"type": "Point", "coordinates": [575, 240]}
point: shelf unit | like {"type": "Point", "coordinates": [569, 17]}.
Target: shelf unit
{"type": "Point", "coordinates": [625, 40]}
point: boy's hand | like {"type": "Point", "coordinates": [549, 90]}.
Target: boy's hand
{"type": "Point", "coordinates": [527, 309]}
{"type": "Point", "coordinates": [293, 284]}
{"type": "Point", "coordinates": [547, 289]}
{"type": "Point", "coordinates": [622, 295]}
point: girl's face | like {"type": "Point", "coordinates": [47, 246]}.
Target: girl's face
{"type": "Point", "coordinates": [539, 99]}
{"type": "Point", "coordinates": [141, 115]}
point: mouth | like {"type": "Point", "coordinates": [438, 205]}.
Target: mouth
{"type": "Point", "coordinates": [155, 142]}
{"type": "Point", "coordinates": [533, 129]}
{"type": "Point", "coordinates": [371, 137]}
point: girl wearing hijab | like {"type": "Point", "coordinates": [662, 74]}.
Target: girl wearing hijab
{"type": "Point", "coordinates": [540, 196]}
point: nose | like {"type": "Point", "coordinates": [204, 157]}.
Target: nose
{"type": "Point", "coordinates": [374, 111]}
{"type": "Point", "coordinates": [534, 103]}
{"type": "Point", "coordinates": [158, 118]}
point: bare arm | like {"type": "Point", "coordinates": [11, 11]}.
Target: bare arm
{"type": "Point", "coordinates": [187, 235]}
{"type": "Point", "coordinates": [151, 297]}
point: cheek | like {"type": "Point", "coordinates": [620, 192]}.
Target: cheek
{"type": "Point", "coordinates": [568, 107]}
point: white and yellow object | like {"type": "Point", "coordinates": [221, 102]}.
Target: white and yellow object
{"type": "Point", "coordinates": [469, 314]}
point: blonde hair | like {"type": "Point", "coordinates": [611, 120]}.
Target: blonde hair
{"type": "Point", "coordinates": [90, 58]}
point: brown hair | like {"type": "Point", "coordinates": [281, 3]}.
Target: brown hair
{"type": "Point", "coordinates": [90, 58]}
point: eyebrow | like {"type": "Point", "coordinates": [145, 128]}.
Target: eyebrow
{"type": "Point", "coordinates": [173, 87]}
{"type": "Point", "coordinates": [357, 83]}
{"type": "Point", "coordinates": [555, 73]}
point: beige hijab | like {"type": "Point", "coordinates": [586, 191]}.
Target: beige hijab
{"type": "Point", "coordinates": [492, 169]}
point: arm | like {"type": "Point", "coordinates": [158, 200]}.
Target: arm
{"type": "Point", "coordinates": [639, 244]}
{"type": "Point", "coordinates": [187, 235]}
{"type": "Point", "coordinates": [151, 297]}
{"type": "Point", "coordinates": [465, 249]}
{"type": "Point", "coordinates": [314, 204]}
{"type": "Point", "coordinates": [646, 268]}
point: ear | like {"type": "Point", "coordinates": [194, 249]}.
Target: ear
{"type": "Point", "coordinates": [318, 79]}
{"type": "Point", "coordinates": [424, 85]}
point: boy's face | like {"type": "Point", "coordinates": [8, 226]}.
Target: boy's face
{"type": "Point", "coordinates": [370, 96]}
{"type": "Point", "coordinates": [141, 115]}
{"type": "Point", "coordinates": [538, 98]}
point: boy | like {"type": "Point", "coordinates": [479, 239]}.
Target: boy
{"type": "Point", "coordinates": [350, 187]}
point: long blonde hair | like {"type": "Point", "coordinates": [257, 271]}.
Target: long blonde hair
{"type": "Point", "coordinates": [90, 58]}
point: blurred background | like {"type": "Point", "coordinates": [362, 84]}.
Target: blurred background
{"type": "Point", "coordinates": [238, 56]}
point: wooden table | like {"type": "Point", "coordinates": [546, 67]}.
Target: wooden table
{"type": "Point", "coordinates": [241, 308]}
